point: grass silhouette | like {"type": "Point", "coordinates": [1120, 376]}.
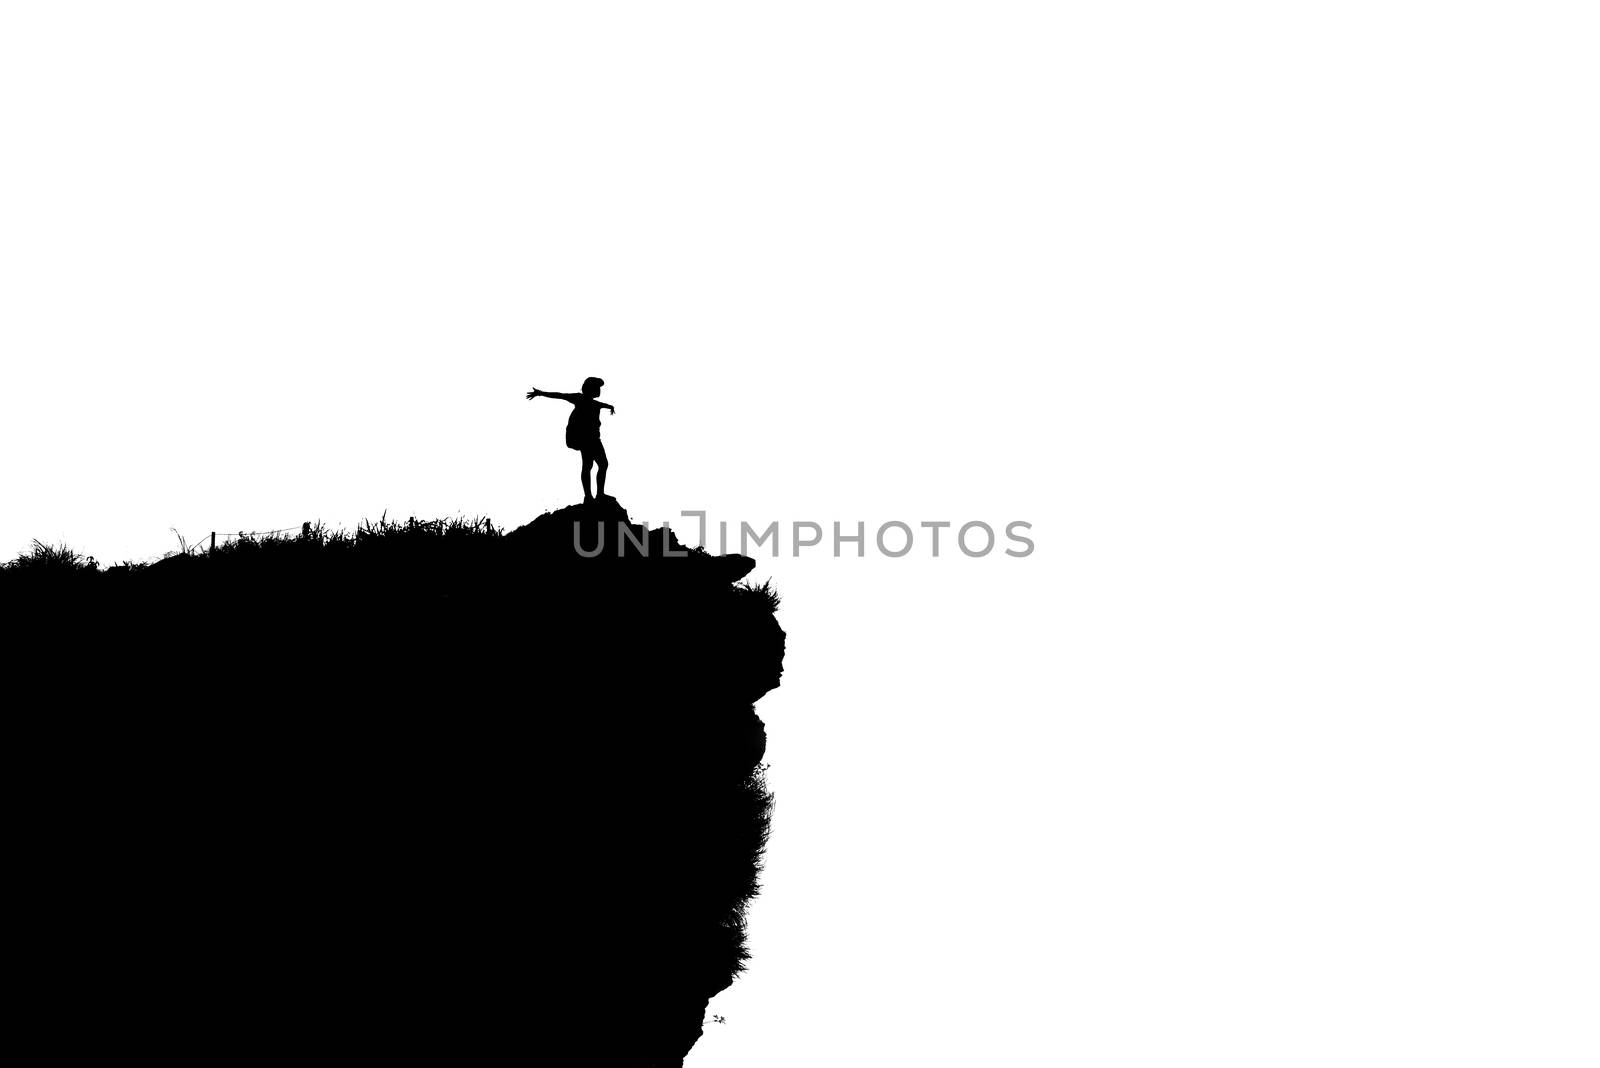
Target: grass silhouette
{"type": "Point", "coordinates": [423, 788]}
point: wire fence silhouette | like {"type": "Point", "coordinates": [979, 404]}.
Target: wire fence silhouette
{"type": "Point", "coordinates": [207, 544]}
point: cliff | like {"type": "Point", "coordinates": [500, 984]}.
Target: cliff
{"type": "Point", "coordinates": [426, 789]}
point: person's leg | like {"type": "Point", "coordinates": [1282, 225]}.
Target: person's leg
{"type": "Point", "coordinates": [600, 476]}
{"type": "Point", "coordinates": [588, 462]}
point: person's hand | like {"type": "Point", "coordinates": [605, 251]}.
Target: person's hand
{"type": "Point", "coordinates": [532, 393]}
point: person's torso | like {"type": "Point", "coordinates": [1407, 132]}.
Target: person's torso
{"type": "Point", "coordinates": [585, 417]}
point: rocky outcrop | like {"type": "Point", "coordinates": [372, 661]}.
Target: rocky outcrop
{"type": "Point", "coordinates": [426, 790]}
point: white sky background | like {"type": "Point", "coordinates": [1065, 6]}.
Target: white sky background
{"type": "Point", "coordinates": [1277, 321]}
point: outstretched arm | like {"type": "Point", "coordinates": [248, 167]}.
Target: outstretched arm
{"type": "Point", "coordinates": [571, 397]}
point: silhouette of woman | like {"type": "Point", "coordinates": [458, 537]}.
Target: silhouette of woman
{"type": "Point", "coordinates": [583, 430]}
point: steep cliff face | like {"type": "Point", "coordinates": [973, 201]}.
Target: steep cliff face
{"type": "Point", "coordinates": [429, 789]}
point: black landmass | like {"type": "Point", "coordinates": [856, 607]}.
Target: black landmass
{"type": "Point", "coordinates": [424, 790]}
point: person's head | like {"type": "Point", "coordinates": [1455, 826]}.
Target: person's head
{"type": "Point", "coordinates": [591, 386]}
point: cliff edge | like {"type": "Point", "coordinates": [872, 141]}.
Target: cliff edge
{"type": "Point", "coordinates": [426, 789]}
